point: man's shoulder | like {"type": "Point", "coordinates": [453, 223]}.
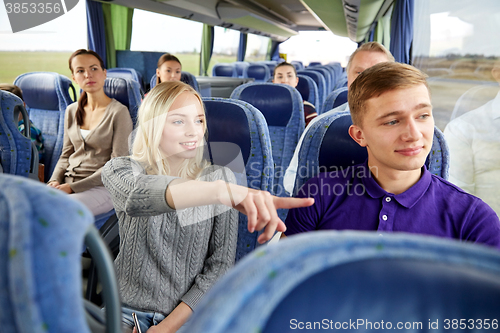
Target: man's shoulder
{"type": "Point", "coordinates": [454, 195]}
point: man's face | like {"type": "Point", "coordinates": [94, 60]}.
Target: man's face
{"type": "Point", "coordinates": [397, 129]}
{"type": "Point", "coordinates": [361, 61]}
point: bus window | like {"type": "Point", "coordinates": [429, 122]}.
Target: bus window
{"type": "Point", "coordinates": [256, 48]}
{"type": "Point", "coordinates": [226, 43]}
{"type": "Point", "coordinates": [163, 33]}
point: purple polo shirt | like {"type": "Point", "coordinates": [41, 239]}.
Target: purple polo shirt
{"type": "Point", "coordinates": [352, 199]}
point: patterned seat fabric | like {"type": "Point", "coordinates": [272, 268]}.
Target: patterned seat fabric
{"type": "Point", "coordinates": [334, 99]}
{"type": "Point", "coordinates": [236, 127]}
{"type": "Point", "coordinates": [308, 90]}
{"type": "Point", "coordinates": [320, 82]}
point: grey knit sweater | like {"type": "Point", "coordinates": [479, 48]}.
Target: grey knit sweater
{"type": "Point", "coordinates": [165, 255]}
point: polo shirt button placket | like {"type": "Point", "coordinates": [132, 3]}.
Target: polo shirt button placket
{"type": "Point", "coordinates": [385, 224]}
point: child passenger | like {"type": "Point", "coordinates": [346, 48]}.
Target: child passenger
{"type": "Point", "coordinates": [178, 231]}
{"type": "Point", "coordinates": [96, 129]}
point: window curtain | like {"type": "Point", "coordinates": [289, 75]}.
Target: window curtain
{"type": "Point", "coordinates": [96, 39]}
{"type": "Point", "coordinates": [383, 31]}
{"type": "Point", "coordinates": [242, 48]}
{"type": "Point", "coordinates": [402, 30]}
{"type": "Point", "coordinates": [207, 47]}
{"type": "Point", "coordinates": [273, 50]}
{"type": "Point", "coordinates": [118, 30]}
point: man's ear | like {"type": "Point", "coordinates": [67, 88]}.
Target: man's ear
{"type": "Point", "coordinates": [357, 135]}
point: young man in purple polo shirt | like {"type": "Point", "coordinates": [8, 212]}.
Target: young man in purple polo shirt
{"type": "Point", "coordinates": [393, 191]}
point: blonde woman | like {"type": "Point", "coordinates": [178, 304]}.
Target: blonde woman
{"type": "Point", "coordinates": [178, 231]}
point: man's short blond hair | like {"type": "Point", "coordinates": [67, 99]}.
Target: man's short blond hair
{"type": "Point", "coordinates": [379, 79]}
{"type": "Point", "coordinates": [371, 47]}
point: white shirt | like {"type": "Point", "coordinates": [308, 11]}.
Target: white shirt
{"type": "Point", "coordinates": [291, 172]}
{"type": "Point", "coordinates": [474, 141]}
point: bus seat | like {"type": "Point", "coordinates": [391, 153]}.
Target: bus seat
{"type": "Point", "coordinates": [258, 71]}
{"type": "Point", "coordinates": [126, 73]}
{"type": "Point", "coordinates": [46, 95]}
{"type": "Point", "coordinates": [125, 91]}
{"type": "Point", "coordinates": [230, 122]}
{"type": "Point", "coordinates": [326, 75]}
{"type": "Point", "coordinates": [297, 64]}
{"type": "Point", "coordinates": [224, 69]}
{"type": "Point", "coordinates": [314, 63]}
{"type": "Point", "coordinates": [320, 82]}
{"type": "Point", "coordinates": [327, 146]}
{"type": "Point", "coordinates": [283, 109]}
{"type": "Point", "coordinates": [40, 265]}
{"type": "Point", "coordinates": [334, 99]}
{"type": "Point", "coordinates": [271, 64]}
{"type": "Point", "coordinates": [341, 83]}
{"type": "Point", "coordinates": [308, 90]}
{"type": "Point", "coordinates": [240, 67]}
{"type": "Point", "coordinates": [17, 156]}
{"type": "Point", "coordinates": [186, 77]}
{"type": "Point", "coordinates": [326, 280]}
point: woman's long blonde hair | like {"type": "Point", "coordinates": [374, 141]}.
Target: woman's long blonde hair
{"type": "Point", "coordinates": [151, 121]}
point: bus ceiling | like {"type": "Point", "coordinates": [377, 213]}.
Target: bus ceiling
{"type": "Point", "coordinates": [277, 19]}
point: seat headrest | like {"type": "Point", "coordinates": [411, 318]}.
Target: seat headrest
{"type": "Point", "coordinates": [116, 88]}
{"type": "Point", "coordinates": [341, 99]}
{"type": "Point", "coordinates": [224, 70]}
{"type": "Point", "coordinates": [275, 101]}
{"type": "Point", "coordinates": [259, 72]}
{"type": "Point", "coordinates": [40, 89]}
{"type": "Point", "coordinates": [303, 88]}
{"type": "Point", "coordinates": [338, 140]}
{"type": "Point", "coordinates": [227, 122]}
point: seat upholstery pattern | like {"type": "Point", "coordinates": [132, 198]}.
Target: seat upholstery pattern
{"type": "Point", "coordinates": [309, 90]}
{"type": "Point", "coordinates": [46, 95]}
{"type": "Point", "coordinates": [320, 82]}
{"type": "Point", "coordinates": [231, 121]}
{"type": "Point", "coordinates": [41, 237]}
{"type": "Point", "coordinates": [15, 148]}
{"type": "Point", "coordinates": [334, 99]}
{"type": "Point", "coordinates": [311, 269]}
{"type": "Point", "coordinates": [283, 109]}
{"type": "Point", "coordinates": [327, 144]}
{"type": "Point", "coordinates": [326, 75]}
{"type": "Point", "coordinates": [126, 73]}
{"type": "Point", "coordinates": [125, 91]}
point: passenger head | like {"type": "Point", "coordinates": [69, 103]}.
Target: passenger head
{"type": "Point", "coordinates": [364, 57]}
{"type": "Point", "coordinates": [392, 115]}
{"type": "Point", "coordinates": [285, 73]}
{"type": "Point", "coordinates": [12, 88]}
{"type": "Point", "coordinates": [87, 69]}
{"type": "Point", "coordinates": [169, 68]}
{"type": "Point", "coordinates": [170, 129]}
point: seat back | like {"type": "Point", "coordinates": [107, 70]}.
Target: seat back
{"type": "Point", "coordinates": [126, 73]}
{"type": "Point", "coordinates": [334, 99]}
{"type": "Point", "coordinates": [326, 75]}
{"type": "Point", "coordinates": [308, 90]}
{"type": "Point", "coordinates": [240, 67]}
{"type": "Point", "coordinates": [327, 146]}
{"type": "Point", "coordinates": [297, 64]}
{"type": "Point", "coordinates": [320, 82]}
{"type": "Point", "coordinates": [283, 109]}
{"type": "Point", "coordinates": [314, 64]}
{"type": "Point", "coordinates": [40, 263]}
{"type": "Point", "coordinates": [186, 77]}
{"type": "Point", "coordinates": [224, 69]}
{"type": "Point", "coordinates": [126, 92]}
{"type": "Point", "coordinates": [258, 71]}
{"type": "Point", "coordinates": [238, 138]}
{"type": "Point", "coordinates": [271, 64]}
{"type": "Point", "coordinates": [341, 83]}
{"type": "Point", "coordinates": [47, 96]}
{"type": "Point", "coordinates": [354, 279]}
{"type": "Point", "coordinates": [15, 147]}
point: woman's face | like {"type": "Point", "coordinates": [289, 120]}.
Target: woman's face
{"type": "Point", "coordinates": [87, 73]}
{"type": "Point", "coordinates": [184, 129]}
{"type": "Point", "coordinates": [169, 71]}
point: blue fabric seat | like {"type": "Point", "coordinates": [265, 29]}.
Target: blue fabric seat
{"type": "Point", "coordinates": [186, 77]}
{"type": "Point", "coordinates": [47, 96]}
{"type": "Point", "coordinates": [297, 64]}
{"type": "Point", "coordinates": [348, 276]}
{"type": "Point", "coordinates": [240, 67]}
{"type": "Point", "coordinates": [224, 69]}
{"type": "Point", "coordinates": [126, 92]}
{"type": "Point", "coordinates": [42, 231]}
{"type": "Point", "coordinates": [334, 99]}
{"type": "Point", "coordinates": [271, 64]}
{"type": "Point", "coordinates": [258, 71]}
{"type": "Point", "coordinates": [320, 82]}
{"type": "Point", "coordinates": [238, 138]}
{"type": "Point", "coordinates": [326, 75]}
{"type": "Point", "coordinates": [16, 149]}
{"type": "Point", "coordinates": [314, 64]}
{"type": "Point", "coordinates": [341, 83]}
{"type": "Point", "coordinates": [308, 90]}
{"type": "Point", "coordinates": [327, 144]}
{"type": "Point", "coordinates": [283, 109]}
{"type": "Point", "coordinates": [126, 73]}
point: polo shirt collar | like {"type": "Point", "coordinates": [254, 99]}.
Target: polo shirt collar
{"type": "Point", "coordinates": [408, 198]}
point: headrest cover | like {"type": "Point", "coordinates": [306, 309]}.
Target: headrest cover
{"type": "Point", "coordinates": [39, 90]}
{"type": "Point", "coordinates": [117, 88]}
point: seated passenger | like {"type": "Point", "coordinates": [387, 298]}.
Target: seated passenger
{"type": "Point", "coordinates": [169, 68]}
{"type": "Point", "coordinates": [286, 73]}
{"type": "Point", "coordinates": [36, 134]}
{"type": "Point", "coordinates": [392, 117]}
{"type": "Point", "coordinates": [364, 57]}
{"type": "Point", "coordinates": [96, 129]}
{"type": "Point", "coordinates": [178, 232]}
{"type": "Point", "coordinates": [474, 142]}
